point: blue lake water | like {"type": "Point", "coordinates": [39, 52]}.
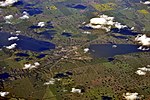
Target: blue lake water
{"type": "Point", "coordinates": [4, 76]}
{"type": "Point", "coordinates": [66, 34]}
{"type": "Point", "coordinates": [41, 56]}
{"type": "Point", "coordinates": [79, 6]}
{"type": "Point", "coordinates": [69, 73]}
{"type": "Point", "coordinates": [124, 31]}
{"type": "Point", "coordinates": [106, 50]}
{"type": "Point", "coordinates": [33, 11]}
{"type": "Point", "coordinates": [17, 59]}
{"type": "Point", "coordinates": [22, 54]}
{"type": "Point", "coordinates": [85, 28]}
{"type": "Point", "coordinates": [110, 59]}
{"type": "Point", "coordinates": [47, 34]}
{"type": "Point", "coordinates": [106, 98]}
{"type": "Point", "coordinates": [63, 75]}
{"type": "Point", "coordinates": [49, 25]}
{"type": "Point", "coordinates": [120, 37]}
{"type": "Point", "coordinates": [34, 27]}
{"type": "Point", "coordinates": [60, 75]}
{"type": "Point", "coordinates": [29, 5]}
{"type": "Point", "coordinates": [26, 43]}
{"type": "Point", "coordinates": [19, 3]}
{"type": "Point", "coordinates": [29, 8]}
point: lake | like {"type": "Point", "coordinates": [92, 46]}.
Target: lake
{"type": "Point", "coordinates": [4, 76]}
{"type": "Point", "coordinates": [26, 43]}
{"type": "Point", "coordinates": [124, 31]}
{"type": "Point", "coordinates": [78, 6]}
{"type": "Point", "coordinates": [107, 50]}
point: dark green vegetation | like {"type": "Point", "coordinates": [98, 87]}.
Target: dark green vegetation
{"type": "Point", "coordinates": [97, 77]}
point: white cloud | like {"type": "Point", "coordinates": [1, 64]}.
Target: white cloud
{"type": "Point", "coordinates": [104, 22]}
{"type": "Point", "coordinates": [41, 24]}
{"type": "Point", "coordinates": [13, 38]}
{"type": "Point", "coordinates": [37, 64]}
{"type": "Point", "coordinates": [143, 70]}
{"type": "Point", "coordinates": [3, 94]}
{"type": "Point", "coordinates": [18, 32]}
{"type": "Point", "coordinates": [25, 15]}
{"type": "Point", "coordinates": [142, 48]}
{"type": "Point", "coordinates": [27, 66]}
{"type": "Point", "coordinates": [74, 90]}
{"type": "Point", "coordinates": [30, 66]}
{"type": "Point", "coordinates": [86, 32]}
{"type": "Point", "coordinates": [143, 39]}
{"type": "Point", "coordinates": [12, 46]}
{"type": "Point", "coordinates": [148, 65]}
{"type": "Point", "coordinates": [7, 3]}
{"type": "Point", "coordinates": [146, 2]}
{"type": "Point", "coordinates": [86, 50]}
{"type": "Point", "coordinates": [132, 28]}
{"type": "Point", "coordinates": [119, 26]}
{"type": "Point", "coordinates": [131, 96]}
{"type": "Point", "coordinates": [51, 81]}
{"type": "Point", "coordinates": [114, 46]}
{"type": "Point", "coordinates": [140, 72]}
{"type": "Point", "coordinates": [8, 17]}
{"type": "Point", "coordinates": [98, 21]}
